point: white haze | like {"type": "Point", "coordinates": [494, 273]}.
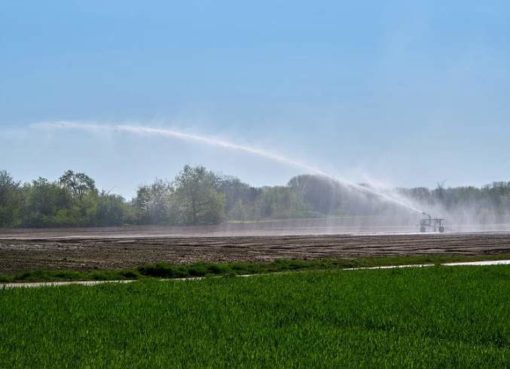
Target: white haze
{"type": "Point", "coordinates": [382, 193]}
{"type": "Point", "coordinates": [462, 219]}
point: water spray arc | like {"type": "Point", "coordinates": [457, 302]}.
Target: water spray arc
{"type": "Point", "coordinates": [170, 133]}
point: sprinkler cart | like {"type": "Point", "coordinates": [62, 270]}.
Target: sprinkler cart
{"type": "Point", "coordinates": [432, 224]}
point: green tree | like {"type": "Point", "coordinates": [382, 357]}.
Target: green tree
{"type": "Point", "coordinates": [239, 198]}
{"type": "Point", "coordinates": [78, 184]}
{"type": "Point", "coordinates": [197, 197]}
{"type": "Point", "coordinates": [280, 202]}
{"type": "Point", "coordinates": [320, 194]}
{"type": "Point", "coordinates": [10, 201]}
{"type": "Point", "coordinates": [153, 203]}
{"type": "Point", "coordinates": [84, 199]}
{"type": "Point", "coordinates": [46, 204]}
{"type": "Point", "coordinates": [112, 210]}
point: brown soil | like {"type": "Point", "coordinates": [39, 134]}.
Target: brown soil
{"type": "Point", "coordinates": [100, 249]}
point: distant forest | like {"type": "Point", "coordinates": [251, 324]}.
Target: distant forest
{"type": "Point", "coordinates": [198, 196]}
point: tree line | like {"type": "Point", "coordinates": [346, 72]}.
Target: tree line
{"type": "Point", "coordinates": [197, 196]}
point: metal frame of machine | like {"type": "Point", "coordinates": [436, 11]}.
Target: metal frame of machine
{"type": "Point", "coordinates": [432, 224]}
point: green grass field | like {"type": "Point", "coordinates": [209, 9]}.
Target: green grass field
{"type": "Point", "coordinates": [207, 269]}
{"type": "Point", "coordinates": [407, 318]}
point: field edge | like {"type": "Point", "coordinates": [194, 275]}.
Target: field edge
{"type": "Point", "coordinates": [226, 269]}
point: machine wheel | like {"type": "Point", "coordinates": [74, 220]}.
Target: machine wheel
{"type": "Point", "coordinates": [422, 229]}
{"type": "Point", "coordinates": [441, 229]}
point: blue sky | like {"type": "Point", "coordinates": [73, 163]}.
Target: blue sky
{"type": "Point", "coordinates": [405, 93]}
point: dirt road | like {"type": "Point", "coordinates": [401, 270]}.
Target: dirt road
{"type": "Point", "coordinates": [40, 250]}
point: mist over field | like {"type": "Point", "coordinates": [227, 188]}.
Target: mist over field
{"type": "Point", "coordinates": [198, 196]}
{"type": "Point", "coordinates": [255, 184]}
{"type": "Point", "coordinates": [321, 200]}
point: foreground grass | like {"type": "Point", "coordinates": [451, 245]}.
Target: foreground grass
{"type": "Point", "coordinates": [406, 318]}
{"type": "Point", "coordinates": [202, 269]}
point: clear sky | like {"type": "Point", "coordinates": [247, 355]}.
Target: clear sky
{"type": "Point", "coordinates": [404, 92]}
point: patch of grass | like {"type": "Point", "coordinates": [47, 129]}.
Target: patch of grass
{"type": "Point", "coordinates": [404, 318]}
{"type": "Point", "coordinates": [205, 269]}
{"type": "Point", "coordinates": [69, 275]}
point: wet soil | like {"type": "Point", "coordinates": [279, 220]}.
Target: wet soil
{"type": "Point", "coordinates": [25, 250]}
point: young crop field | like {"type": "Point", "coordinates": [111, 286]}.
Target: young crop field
{"type": "Point", "coordinates": [402, 318]}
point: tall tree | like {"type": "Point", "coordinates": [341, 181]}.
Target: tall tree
{"type": "Point", "coordinates": [10, 201]}
{"type": "Point", "coordinates": [153, 203]}
{"type": "Point", "coordinates": [322, 195]}
{"type": "Point", "coordinates": [112, 210]}
{"type": "Point", "coordinates": [280, 202]}
{"type": "Point", "coordinates": [79, 184]}
{"type": "Point", "coordinates": [46, 204]}
{"type": "Point", "coordinates": [239, 197]}
{"type": "Point", "coordinates": [197, 197]}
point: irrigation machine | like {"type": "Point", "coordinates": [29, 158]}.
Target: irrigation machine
{"type": "Point", "coordinates": [427, 223]}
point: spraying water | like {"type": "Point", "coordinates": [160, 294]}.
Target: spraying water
{"type": "Point", "coordinates": [142, 130]}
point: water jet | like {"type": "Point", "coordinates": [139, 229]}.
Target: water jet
{"type": "Point", "coordinates": [383, 195]}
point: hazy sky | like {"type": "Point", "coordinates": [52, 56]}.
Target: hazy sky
{"type": "Point", "coordinates": [403, 92]}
